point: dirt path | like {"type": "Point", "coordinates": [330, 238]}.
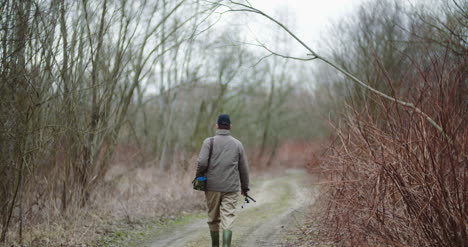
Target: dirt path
{"type": "Point", "coordinates": [281, 203]}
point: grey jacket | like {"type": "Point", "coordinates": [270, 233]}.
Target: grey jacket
{"type": "Point", "coordinates": [228, 170]}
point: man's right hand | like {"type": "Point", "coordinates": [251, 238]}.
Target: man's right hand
{"type": "Point", "coordinates": [245, 191]}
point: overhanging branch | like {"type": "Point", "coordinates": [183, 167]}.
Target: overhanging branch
{"type": "Point", "coordinates": [250, 9]}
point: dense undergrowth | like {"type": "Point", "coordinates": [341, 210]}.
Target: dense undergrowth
{"type": "Point", "coordinates": [393, 178]}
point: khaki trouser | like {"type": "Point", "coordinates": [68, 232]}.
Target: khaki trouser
{"type": "Point", "coordinates": [221, 209]}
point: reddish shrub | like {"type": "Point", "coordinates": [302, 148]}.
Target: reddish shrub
{"type": "Point", "coordinates": [396, 180]}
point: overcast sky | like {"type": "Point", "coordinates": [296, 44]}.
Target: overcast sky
{"type": "Point", "coordinates": [310, 17]}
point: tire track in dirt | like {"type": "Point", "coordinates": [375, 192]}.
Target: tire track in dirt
{"type": "Point", "coordinates": [293, 202]}
{"type": "Point", "coordinates": [281, 203]}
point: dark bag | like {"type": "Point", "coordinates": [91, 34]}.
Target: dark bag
{"type": "Point", "coordinates": [199, 183]}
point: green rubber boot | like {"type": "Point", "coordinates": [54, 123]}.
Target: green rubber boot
{"type": "Point", "coordinates": [214, 239]}
{"type": "Point", "coordinates": [227, 235]}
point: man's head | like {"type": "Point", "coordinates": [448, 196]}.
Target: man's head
{"type": "Point", "coordinates": [224, 122]}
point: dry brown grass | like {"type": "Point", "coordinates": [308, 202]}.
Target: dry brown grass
{"type": "Point", "coordinates": [134, 194]}
{"type": "Point", "coordinates": [131, 195]}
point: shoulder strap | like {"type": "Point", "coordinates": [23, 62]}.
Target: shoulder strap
{"type": "Point", "coordinates": [211, 151]}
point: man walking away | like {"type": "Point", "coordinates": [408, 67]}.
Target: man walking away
{"type": "Point", "coordinates": [227, 174]}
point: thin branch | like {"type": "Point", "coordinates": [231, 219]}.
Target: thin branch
{"type": "Point", "coordinates": [275, 53]}
{"type": "Point", "coordinates": [288, 57]}
{"type": "Point", "coordinates": [261, 59]}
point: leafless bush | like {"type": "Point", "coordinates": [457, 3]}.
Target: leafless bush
{"type": "Point", "coordinates": [394, 180]}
